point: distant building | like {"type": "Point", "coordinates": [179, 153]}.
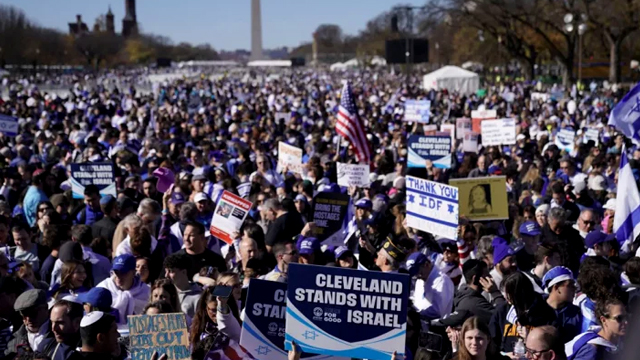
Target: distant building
{"type": "Point", "coordinates": [130, 22]}
{"type": "Point", "coordinates": [111, 25]}
{"type": "Point", "coordinates": [78, 28]}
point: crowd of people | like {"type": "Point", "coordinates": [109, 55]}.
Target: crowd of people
{"type": "Point", "coordinates": [550, 282]}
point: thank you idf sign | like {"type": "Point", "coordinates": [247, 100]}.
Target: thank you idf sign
{"type": "Point", "coordinates": [432, 207]}
{"type": "Point", "coordinates": [346, 312]}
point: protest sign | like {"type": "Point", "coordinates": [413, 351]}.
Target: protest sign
{"type": "Point", "coordinates": [289, 156]}
{"type": "Point", "coordinates": [538, 96]}
{"type": "Point", "coordinates": [285, 116]}
{"type": "Point", "coordinates": [432, 207]}
{"type": "Point", "coordinates": [229, 216]}
{"type": "Point", "coordinates": [163, 333]}
{"type": "Point", "coordinates": [9, 125]}
{"type": "Point", "coordinates": [98, 174]}
{"type": "Point", "coordinates": [498, 132]}
{"type": "Point", "coordinates": [346, 312]}
{"type": "Point", "coordinates": [591, 134]}
{"type": "Point", "coordinates": [451, 129]}
{"type": "Point", "coordinates": [565, 139]}
{"type": "Point", "coordinates": [470, 142]}
{"type": "Point", "coordinates": [430, 129]}
{"type": "Point", "coordinates": [483, 198]}
{"type": "Point", "coordinates": [434, 148]}
{"type": "Point", "coordinates": [463, 126]}
{"type": "Point", "coordinates": [478, 116]}
{"type": "Point", "coordinates": [417, 111]}
{"type": "Point", "coordinates": [353, 174]}
{"type": "Point", "coordinates": [330, 216]}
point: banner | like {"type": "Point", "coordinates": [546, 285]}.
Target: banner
{"type": "Point", "coordinates": [463, 126]}
{"type": "Point", "coordinates": [591, 134]}
{"type": "Point", "coordinates": [329, 212]}
{"type": "Point", "coordinates": [483, 198]}
{"type": "Point", "coordinates": [229, 216]}
{"type": "Point", "coordinates": [565, 139]}
{"type": "Point", "coordinates": [99, 174]}
{"type": "Point", "coordinates": [417, 111]}
{"type": "Point", "coordinates": [346, 312]}
{"type": "Point", "coordinates": [163, 333]}
{"type": "Point", "coordinates": [353, 174]}
{"type": "Point", "coordinates": [478, 116]}
{"type": "Point", "coordinates": [432, 207]}
{"type": "Point", "coordinates": [434, 148]}
{"type": "Point", "coordinates": [498, 132]}
{"type": "Point", "coordinates": [289, 156]}
{"type": "Point", "coordinates": [9, 125]}
{"type": "Point", "coordinates": [470, 142]}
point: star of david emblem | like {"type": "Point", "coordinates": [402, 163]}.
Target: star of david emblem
{"type": "Point", "coordinates": [262, 350]}
{"type": "Point", "coordinates": [310, 335]}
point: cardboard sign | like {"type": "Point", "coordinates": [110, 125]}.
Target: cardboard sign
{"type": "Point", "coordinates": [353, 174]}
{"type": "Point", "coordinates": [346, 312]}
{"type": "Point", "coordinates": [163, 333]}
{"type": "Point", "coordinates": [591, 134]}
{"type": "Point", "coordinates": [483, 198]}
{"type": "Point", "coordinates": [437, 149]}
{"type": "Point", "coordinates": [478, 116]}
{"type": "Point", "coordinates": [229, 216]}
{"type": "Point", "coordinates": [99, 174]}
{"type": "Point", "coordinates": [329, 212]}
{"type": "Point", "coordinates": [470, 142]}
{"type": "Point", "coordinates": [289, 156]}
{"type": "Point", "coordinates": [432, 207]}
{"type": "Point", "coordinates": [498, 132]}
{"type": "Point", "coordinates": [285, 116]}
{"type": "Point", "coordinates": [9, 125]}
{"type": "Point", "coordinates": [463, 126]}
{"type": "Point", "coordinates": [565, 139]}
{"type": "Point", "coordinates": [417, 111]}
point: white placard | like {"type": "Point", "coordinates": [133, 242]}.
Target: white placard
{"type": "Point", "coordinates": [289, 156]}
{"type": "Point", "coordinates": [470, 142]}
{"type": "Point", "coordinates": [498, 132]}
{"type": "Point", "coordinates": [432, 207]}
{"type": "Point", "coordinates": [353, 175]}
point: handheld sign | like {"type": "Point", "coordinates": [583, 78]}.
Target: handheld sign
{"type": "Point", "coordinates": [163, 333]}
{"type": "Point", "coordinates": [99, 174]}
{"type": "Point", "coordinates": [498, 132]}
{"type": "Point", "coordinates": [591, 134]}
{"type": "Point", "coordinates": [353, 174]}
{"type": "Point", "coordinates": [229, 216]}
{"type": "Point", "coordinates": [463, 126]}
{"type": "Point", "coordinates": [432, 207]}
{"type": "Point", "coordinates": [483, 198]}
{"type": "Point", "coordinates": [285, 116]}
{"type": "Point", "coordinates": [289, 156]}
{"type": "Point", "coordinates": [565, 139]}
{"type": "Point", "coordinates": [330, 216]}
{"type": "Point", "coordinates": [9, 125]}
{"type": "Point", "coordinates": [346, 312]}
{"type": "Point", "coordinates": [434, 148]}
{"type": "Point", "coordinates": [470, 142]}
{"type": "Point", "coordinates": [451, 129]}
{"type": "Point", "coordinates": [478, 116]}
{"type": "Point", "coordinates": [417, 111]}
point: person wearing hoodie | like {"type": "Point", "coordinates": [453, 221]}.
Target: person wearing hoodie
{"type": "Point", "coordinates": [176, 267]}
{"type": "Point", "coordinates": [469, 296]}
{"type": "Point", "coordinates": [91, 211]}
{"type": "Point", "coordinates": [129, 293]}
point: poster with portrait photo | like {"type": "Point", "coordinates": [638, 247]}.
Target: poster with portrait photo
{"type": "Point", "coordinates": [483, 198]}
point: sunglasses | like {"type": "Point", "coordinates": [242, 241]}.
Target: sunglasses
{"type": "Point", "coordinates": [620, 318]}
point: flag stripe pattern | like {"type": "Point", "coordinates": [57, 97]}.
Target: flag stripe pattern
{"type": "Point", "coordinates": [626, 222]}
{"type": "Point", "coordinates": [625, 116]}
{"type": "Point", "coordinates": [350, 127]}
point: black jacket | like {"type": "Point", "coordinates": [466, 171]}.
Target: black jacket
{"type": "Point", "coordinates": [19, 339]}
{"type": "Point", "coordinates": [104, 228]}
{"type": "Point", "coordinates": [571, 245]}
{"type": "Point", "coordinates": [472, 300]}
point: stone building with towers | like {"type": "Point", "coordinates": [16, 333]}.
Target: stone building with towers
{"type": "Point", "coordinates": [107, 22]}
{"type": "Point", "coordinates": [130, 22]}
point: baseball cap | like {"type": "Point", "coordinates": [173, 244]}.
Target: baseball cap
{"type": "Point", "coordinates": [199, 177]}
{"type": "Point", "coordinates": [556, 275]}
{"type": "Point", "coordinates": [200, 197]}
{"type": "Point", "coordinates": [364, 204]}
{"type": "Point", "coordinates": [124, 263]}
{"type": "Point", "coordinates": [610, 205]}
{"type": "Point", "coordinates": [597, 183]}
{"type": "Point", "coordinates": [177, 198]}
{"type": "Point", "coordinates": [374, 219]}
{"type": "Point", "coordinates": [300, 197]}
{"type": "Point", "coordinates": [494, 170]}
{"type": "Point", "coordinates": [341, 251]}
{"type": "Point", "coordinates": [454, 320]}
{"type": "Point", "coordinates": [542, 209]}
{"type": "Point", "coordinates": [308, 245]}
{"type": "Point", "coordinates": [597, 237]}
{"type": "Point", "coordinates": [414, 262]}
{"type": "Point", "coordinates": [449, 245]}
{"type": "Point", "coordinates": [97, 297]}
{"type": "Point", "coordinates": [530, 228]}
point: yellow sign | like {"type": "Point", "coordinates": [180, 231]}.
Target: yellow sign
{"type": "Point", "coordinates": [483, 198]}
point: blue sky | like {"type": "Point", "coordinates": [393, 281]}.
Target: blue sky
{"type": "Point", "coordinates": [225, 24]}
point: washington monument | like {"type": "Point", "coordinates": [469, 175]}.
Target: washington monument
{"type": "Point", "coordinates": [256, 31]}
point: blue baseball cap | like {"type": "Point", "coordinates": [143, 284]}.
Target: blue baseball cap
{"type": "Point", "coordinates": [597, 237]}
{"type": "Point", "coordinates": [177, 198]}
{"type": "Point", "coordinates": [107, 199]}
{"type": "Point", "coordinates": [364, 204]}
{"type": "Point", "coordinates": [124, 263]}
{"type": "Point", "coordinates": [97, 297]}
{"type": "Point", "coordinates": [414, 262]}
{"type": "Point", "coordinates": [340, 251]}
{"type": "Point", "coordinates": [530, 228]}
{"type": "Point", "coordinates": [556, 275]}
{"type": "Point", "coordinates": [308, 245]}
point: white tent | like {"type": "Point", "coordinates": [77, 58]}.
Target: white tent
{"type": "Point", "coordinates": [452, 78]}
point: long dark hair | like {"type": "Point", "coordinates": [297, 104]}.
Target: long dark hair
{"type": "Point", "coordinates": [140, 240]}
{"type": "Point", "coordinates": [201, 318]}
{"type": "Point", "coordinates": [519, 292]}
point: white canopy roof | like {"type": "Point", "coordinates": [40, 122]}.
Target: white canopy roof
{"type": "Point", "coordinates": [452, 78]}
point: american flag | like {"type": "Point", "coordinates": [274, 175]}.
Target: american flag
{"type": "Point", "coordinates": [350, 127]}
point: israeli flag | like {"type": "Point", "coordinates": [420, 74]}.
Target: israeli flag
{"type": "Point", "coordinates": [391, 104]}
{"type": "Point", "coordinates": [626, 115]}
{"type": "Point", "coordinates": [626, 222]}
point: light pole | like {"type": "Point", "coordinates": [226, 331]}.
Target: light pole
{"type": "Point", "coordinates": [571, 22]}
{"type": "Point", "coordinates": [409, 35]}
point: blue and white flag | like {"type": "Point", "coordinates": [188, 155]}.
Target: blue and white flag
{"type": "Point", "coordinates": [391, 104]}
{"type": "Point", "coordinates": [626, 115]}
{"type": "Point", "coordinates": [626, 223]}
